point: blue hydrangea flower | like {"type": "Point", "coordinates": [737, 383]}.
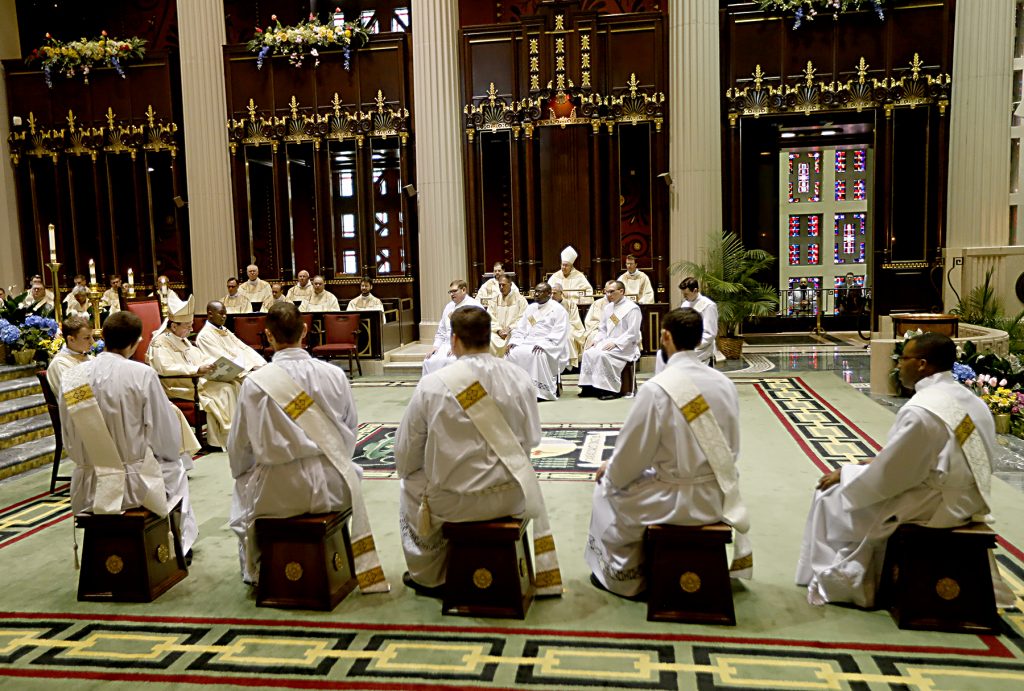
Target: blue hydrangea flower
{"type": "Point", "coordinates": [98, 347]}
{"type": "Point", "coordinates": [963, 372]}
{"type": "Point", "coordinates": [4, 323]}
{"type": "Point", "coordinates": [10, 334]}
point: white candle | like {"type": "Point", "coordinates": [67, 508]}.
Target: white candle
{"type": "Point", "coordinates": [131, 279]}
{"type": "Point", "coordinates": [53, 244]}
{"type": "Point", "coordinates": [92, 272]}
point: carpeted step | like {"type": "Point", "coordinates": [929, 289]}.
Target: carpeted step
{"type": "Point", "coordinates": [8, 372]}
{"type": "Point", "coordinates": [20, 408]}
{"type": "Point", "coordinates": [16, 388]}
{"type": "Point", "coordinates": [25, 429]}
{"type": "Point", "coordinates": [23, 457]}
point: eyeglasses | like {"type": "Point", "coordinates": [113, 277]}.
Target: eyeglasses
{"type": "Point", "coordinates": [453, 291]}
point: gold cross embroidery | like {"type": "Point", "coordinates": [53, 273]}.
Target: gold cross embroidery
{"type": "Point", "coordinates": [614, 320]}
{"type": "Point", "coordinates": [695, 408]}
{"type": "Point", "coordinates": [77, 395]}
{"type": "Point", "coordinates": [473, 393]}
{"type": "Point", "coordinates": [298, 405]}
{"type": "Point", "coordinates": [964, 430]}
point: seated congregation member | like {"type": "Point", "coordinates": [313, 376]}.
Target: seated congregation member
{"type": "Point", "coordinates": [276, 296]}
{"type": "Point", "coordinates": [540, 342]}
{"type": "Point", "coordinates": [39, 299]}
{"type": "Point", "coordinates": [490, 290]}
{"type": "Point", "coordinates": [113, 402]}
{"type": "Point", "coordinates": [692, 297]}
{"type": "Point", "coordinates": [322, 300]}
{"type": "Point", "coordinates": [506, 310]}
{"type": "Point", "coordinates": [111, 299]}
{"type": "Point", "coordinates": [636, 282]}
{"type": "Point", "coordinates": [78, 305]}
{"type": "Point", "coordinates": [288, 464]}
{"type": "Point", "coordinates": [576, 286]}
{"type": "Point", "coordinates": [255, 289]}
{"type": "Point", "coordinates": [78, 281]}
{"type": "Point", "coordinates": [576, 337]}
{"type": "Point", "coordinates": [616, 344]}
{"type": "Point", "coordinates": [366, 300]}
{"type": "Point", "coordinates": [668, 468]}
{"type": "Point", "coordinates": [235, 302]}
{"type": "Point", "coordinates": [303, 290]}
{"type": "Point", "coordinates": [216, 341]}
{"type": "Point", "coordinates": [442, 353]}
{"type": "Point", "coordinates": [924, 475]}
{"type": "Point", "coordinates": [78, 343]}
{"type": "Point", "coordinates": [172, 355]}
{"type": "Point", "coordinates": [462, 462]}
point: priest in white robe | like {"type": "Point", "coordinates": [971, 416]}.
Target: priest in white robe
{"type": "Point", "coordinates": [668, 467]}
{"type": "Point", "coordinates": [303, 290]}
{"type": "Point", "coordinates": [934, 471]}
{"type": "Point", "coordinates": [78, 305]}
{"type": "Point", "coordinates": [449, 467]}
{"type": "Point", "coordinates": [506, 310]}
{"type": "Point", "coordinates": [575, 285]}
{"type": "Point", "coordinates": [39, 299]}
{"type": "Point", "coordinates": [322, 300]}
{"type": "Point", "coordinates": [276, 296]}
{"type": "Point", "coordinates": [490, 290]}
{"type": "Point", "coordinates": [234, 301]}
{"type": "Point", "coordinates": [115, 400]}
{"type": "Point", "coordinates": [291, 464]}
{"type": "Point", "coordinates": [593, 322]}
{"type": "Point", "coordinates": [616, 345]}
{"type": "Point", "coordinates": [216, 341]}
{"type": "Point", "coordinates": [637, 284]}
{"type": "Point", "coordinates": [78, 343]}
{"type": "Point", "coordinates": [111, 299]}
{"type": "Point", "coordinates": [693, 298]}
{"type": "Point", "coordinates": [79, 280]}
{"type": "Point", "coordinates": [540, 343]}
{"type": "Point", "coordinates": [367, 301]}
{"type": "Point", "coordinates": [171, 355]}
{"type": "Point", "coordinates": [577, 337]}
{"type": "Point", "coordinates": [256, 290]}
{"type": "Point", "coordinates": [442, 353]}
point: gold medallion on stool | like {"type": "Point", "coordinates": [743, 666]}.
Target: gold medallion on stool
{"type": "Point", "coordinates": [689, 582]}
{"type": "Point", "coordinates": [338, 562]}
{"type": "Point", "coordinates": [947, 588]}
{"type": "Point", "coordinates": [293, 571]}
{"type": "Point", "coordinates": [482, 579]}
{"type": "Point", "coordinates": [162, 554]}
{"type": "Point", "coordinates": [114, 564]}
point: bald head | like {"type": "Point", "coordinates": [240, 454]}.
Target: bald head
{"type": "Point", "coordinates": [216, 312]}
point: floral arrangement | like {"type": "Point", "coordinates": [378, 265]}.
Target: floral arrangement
{"type": "Point", "coordinates": [808, 9]}
{"type": "Point", "coordinates": [98, 347]}
{"type": "Point", "coordinates": [35, 333]}
{"type": "Point", "coordinates": [307, 38]}
{"type": "Point", "coordinates": [81, 56]}
{"type": "Point", "coordinates": [56, 343]}
{"type": "Point", "coordinates": [9, 333]}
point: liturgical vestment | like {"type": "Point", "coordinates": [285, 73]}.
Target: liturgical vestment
{"type": "Point", "coordinates": [505, 311]}
{"type": "Point", "coordinates": [545, 327]}
{"type": "Point", "coordinates": [620, 325]}
{"type": "Point", "coordinates": [218, 341]}
{"type": "Point", "coordinates": [443, 336]}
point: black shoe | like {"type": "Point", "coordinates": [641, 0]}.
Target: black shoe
{"type": "Point", "coordinates": [596, 582]}
{"type": "Point", "coordinates": [188, 558]}
{"type": "Point", "coordinates": [609, 396]}
{"type": "Point", "coordinates": [426, 591]}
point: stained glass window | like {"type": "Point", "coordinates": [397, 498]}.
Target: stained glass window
{"type": "Point", "coordinates": [400, 22]}
{"type": "Point", "coordinates": [840, 190]}
{"type": "Point", "coordinates": [794, 255]}
{"type": "Point", "coordinates": [805, 176]}
{"type": "Point", "coordinates": [840, 161]}
{"type": "Point", "coordinates": [859, 190]}
{"type": "Point", "coordinates": [794, 226]}
{"type": "Point", "coordinates": [812, 253]}
{"type": "Point", "coordinates": [850, 236]}
{"type": "Point", "coordinates": [860, 157]}
{"type": "Point", "coordinates": [813, 225]}
{"type": "Point", "coordinates": [840, 281]}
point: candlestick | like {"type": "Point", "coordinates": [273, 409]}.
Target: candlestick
{"type": "Point", "coordinates": [53, 244]}
{"type": "Point", "coordinates": [92, 272]}
{"type": "Point", "coordinates": [54, 267]}
{"type": "Point", "coordinates": [131, 283]}
{"type": "Point", "coordinates": [94, 297]}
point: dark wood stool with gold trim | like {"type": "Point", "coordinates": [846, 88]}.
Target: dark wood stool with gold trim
{"type": "Point", "coordinates": [128, 557]}
{"type": "Point", "coordinates": [688, 574]}
{"type": "Point", "coordinates": [305, 561]}
{"type": "Point", "coordinates": [940, 579]}
{"type": "Point", "coordinates": [490, 570]}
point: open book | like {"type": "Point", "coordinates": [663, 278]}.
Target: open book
{"type": "Point", "coordinates": [225, 370]}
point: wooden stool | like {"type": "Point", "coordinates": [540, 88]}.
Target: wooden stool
{"type": "Point", "coordinates": [126, 557]}
{"type": "Point", "coordinates": [688, 574]}
{"type": "Point", "coordinates": [305, 561]}
{"type": "Point", "coordinates": [490, 571]}
{"type": "Point", "coordinates": [940, 579]}
{"type": "Point", "coordinates": [628, 388]}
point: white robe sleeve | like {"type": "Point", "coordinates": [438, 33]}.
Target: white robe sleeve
{"type": "Point", "coordinates": [411, 438]}
{"type": "Point", "coordinates": [639, 437]}
{"type": "Point", "coordinates": [163, 430]}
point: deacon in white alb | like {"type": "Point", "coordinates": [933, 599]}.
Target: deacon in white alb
{"type": "Point", "coordinates": [674, 462]}
{"type": "Point", "coordinates": [234, 301]}
{"type": "Point", "coordinates": [114, 403]}
{"type": "Point", "coordinates": [303, 290]}
{"type": "Point", "coordinates": [442, 353]}
{"type": "Point", "coordinates": [576, 339]}
{"type": "Point", "coordinates": [276, 296]}
{"type": "Point", "coordinates": [463, 454]}
{"type": "Point", "coordinates": [540, 342]}
{"type": "Point", "coordinates": [112, 296]}
{"type": "Point", "coordinates": [216, 341]}
{"type": "Point", "coordinates": [367, 302]}
{"type": "Point", "coordinates": [322, 299]}
{"type": "Point", "coordinates": [78, 342]}
{"type": "Point", "coordinates": [256, 290]}
{"type": "Point", "coordinates": [575, 285]}
{"type": "Point", "coordinates": [617, 344]}
{"type": "Point", "coordinates": [593, 322]}
{"type": "Point", "coordinates": [708, 310]}
{"type": "Point", "coordinates": [506, 310]}
{"type": "Point", "coordinates": [636, 282]}
{"type": "Point", "coordinates": [935, 471]}
{"type": "Point", "coordinates": [289, 459]}
{"type": "Point", "coordinates": [490, 290]}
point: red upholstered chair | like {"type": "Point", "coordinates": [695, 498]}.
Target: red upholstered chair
{"type": "Point", "coordinates": [307, 319]}
{"type": "Point", "coordinates": [194, 415]}
{"type": "Point", "coordinates": [249, 329]}
{"type": "Point", "coordinates": [198, 322]}
{"type": "Point", "coordinates": [341, 332]}
{"type": "Point", "coordinates": [148, 311]}
{"type": "Point", "coordinates": [51, 408]}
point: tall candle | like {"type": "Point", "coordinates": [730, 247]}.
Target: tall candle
{"type": "Point", "coordinates": [92, 272]}
{"type": "Point", "coordinates": [131, 278]}
{"type": "Point", "coordinates": [53, 244]}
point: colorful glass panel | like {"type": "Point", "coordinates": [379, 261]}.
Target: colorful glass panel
{"type": "Point", "coordinates": [794, 255]}
{"type": "Point", "coordinates": [794, 226]}
{"type": "Point", "coordinates": [840, 191]}
{"type": "Point", "coordinates": [860, 157]}
{"type": "Point", "coordinates": [840, 161]}
{"type": "Point", "coordinates": [860, 190]}
{"type": "Point", "coordinates": [812, 253]}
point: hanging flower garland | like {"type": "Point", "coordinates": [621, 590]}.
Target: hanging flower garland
{"type": "Point", "coordinates": [82, 56]}
{"type": "Point", "coordinates": [809, 9]}
{"type": "Point", "coordinates": [307, 38]}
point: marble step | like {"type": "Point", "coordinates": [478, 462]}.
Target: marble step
{"type": "Point", "coordinates": [17, 388]}
{"type": "Point", "coordinates": [24, 430]}
{"type": "Point", "coordinates": [24, 457]}
{"type": "Point", "coordinates": [413, 353]}
{"type": "Point", "coordinates": [8, 372]}
{"type": "Point", "coordinates": [20, 408]}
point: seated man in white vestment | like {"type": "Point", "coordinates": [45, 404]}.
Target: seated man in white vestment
{"type": "Point", "coordinates": [616, 344]}
{"type": "Point", "coordinates": [576, 338]}
{"type": "Point", "coordinates": [39, 299]}
{"type": "Point", "coordinates": [367, 301]}
{"type": "Point", "coordinates": [164, 290]}
{"type": "Point", "coordinates": [172, 355]}
{"type": "Point", "coordinates": [539, 343]}
{"type": "Point", "coordinates": [289, 461]}
{"type": "Point", "coordinates": [637, 284]}
{"type": "Point", "coordinates": [927, 474]}
{"type": "Point", "coordinates": [216, 341]}
{"type": "Point", "coordinates": [235, 302]}
{"type": "Point", "coordinates": [593, 322]}
{"type": "Point", "coordinates": [490, 290]}
{"type": "Point", "coordinates": [303, 290]}
{"type": "Point", "coordinates": [322, 300]}
{"type": "Point", "coordinates": [78, 343]}
{"type": "Point", "coordinates": [78, 281]}
{"type": "Point", "coordinates": [692, 297]}
{"type": "Point", "coordinates": [78, 305]}
{"type": "Point", "coordinates": [668, 467]}
{"type": "Point", "coordinates": [575, 285]}
{"type": "Point", "coordinates": [449, 463]}
{"type": "Point", "coordinates": [506, 310]}
{"type": "Point", "coordinates": [255, 289]}
{"type": "Point", "coordinates": [276, 296]}
{"type": "Point", "coordinates": [442, 354]}
{"type": "Point", "coordinates": [115, 402]}
{"type": "Point", "coordinates": [111, 299]}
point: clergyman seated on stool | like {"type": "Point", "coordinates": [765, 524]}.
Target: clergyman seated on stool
{"type": "Point", "coordinates": [290, 448]}
{"type": "Point", "coordinates": [216, 341]}
{"type": "Point", "coordinates": [463, 454]}
{"type": "Point", "coordinates": [112, 403]}
{"type": "Point", "coordinates": [935, 471]}
{"type": "Point", "coordinates": [674, 462]}
{"type": "Point", "coordinates": [442, 354]}
{"type": "Point", "coordinates": [506, 309]}
{"type": "Point", "coordinates": [540, 342]}
{"type": "Point", "coordinates": [616, 344]}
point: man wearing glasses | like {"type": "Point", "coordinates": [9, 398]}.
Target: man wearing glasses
{"type": "Point", "coordinates": [616, 345]}
{"type": "Point", "coordinates": [935, 471]}
{"type": "Point", "coordinates": [442, 353]}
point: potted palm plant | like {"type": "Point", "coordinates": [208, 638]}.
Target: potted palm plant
{"type": "Point", "coordinates": [727, 275]}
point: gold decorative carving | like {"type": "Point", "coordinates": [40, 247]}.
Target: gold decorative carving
{"type": "Point", "coordinates": [492, 114]}
{"type": "Point", "coordinates": [114, 564]}
{"type": "Point", "coordinates": [947, 588]}
{"type": "Point", "coordinates": [689, 582]}
{"type": "Point", "coordinates": [122, 139]}
{"type": "Point", "coordinates": [634, 107]}
{"type": "Point", "coordinates": [338, 561]}
{"type": "Point", "coordinates": [160, 136]}
{"type": "Point", "coordinates": [82, 140]}
{"type": "Point", "coordinates": [482, 579]}
{"type": "Point", "coordinates": [387, 122]}
{"type": "Point", "coordinates": [522, 567]}
{"type": "Point", "coordinates": [293, 571]}
{"type": "Point", "coordinates": [163, 555]}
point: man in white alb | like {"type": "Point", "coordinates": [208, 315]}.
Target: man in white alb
{"type": "Point", "coordinates": [114, 403]}
{"type": "Point", "coordinates": [442, 353]}
{"type": "Point", "coordinates": [303, 290]}
{"type": "Point", "coordinates": [216, 341]}
{"type": "Point", "coordinates": [78, 343]}
{"type": "Point", "coordinates": [506, 309]}
{"type": "Point", "coordinates": [708, 310]}
{"type": "Point", "coordinates": [463, 454]}
{"type": "Point", "coordinates": [255, 289]}
{"type": "Point", "coordinates": [540, 342]}
{"type": "Point", "coordinates": [593, 322]}
{"type": "Point", "coordinates": [490, 290]}
{"type": "Point", "coordinates": [112, 296]}
{"type": "Point", "coordinates": [78, 305]}
{"type": "Point", "coordinates": [574, 284]}
{"type": "Point", "coordinates": [288, 463]}
{"type": "Point", "coordinates": [577, 332]}
{"type": "Point", "coordinates": [322, 299]}
{"type": "Point", "coordinates": [234, 302]}
{"type": "Point", "coordinates": [79, 281]}
{"type": "Point", "coordinates": [636, 282]}
{"type": "Point", "coordinates": [935, 471]}
{"type": "Point", "coordinates": [674, 462]}
{"type": "Point", "coordinates": [616, 345]}
{"type": "Point", "coordinates": [276, 296]}
{"type": "Point", "coordinates": [366, 301]}
{"type": "Point", "coordinates": [39, 299]}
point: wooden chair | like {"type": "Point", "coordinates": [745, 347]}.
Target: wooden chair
{"type": "Point", "coordinates": [198, 322]}
{"type": "Point", "coordinates": [249, 329]}
{"type": "Point", "coordinates": [688, 574]}
{"type": "Point", "coordinates": [54, 411]}
{"type": "Point", "coordinates": [490, 570]}
{"type": "Point", "coordinates": [148, 310]}
{"type": "Point", "coordinates": [628, 387]}
{"type": "Point", "coordinates": [307, 319]}
{"type": "Point", "coordinates": [341, 331]}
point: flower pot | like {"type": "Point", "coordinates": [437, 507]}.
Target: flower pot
{"type": "Point", "coordinates": [1002, 422]}
{"type": "Point", "coordinates": [731, 347]}
{"type": "Point", "coordinates": [3, 353]}
{"type": "Point", "coordinates": [24, 357]}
